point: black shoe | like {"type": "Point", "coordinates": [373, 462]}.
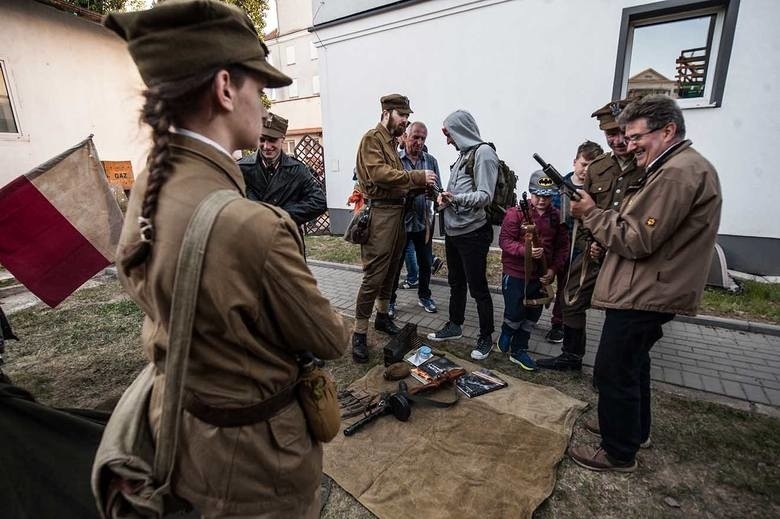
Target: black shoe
{"type": "Point", "coordinates": [359, 348]}
{"type": "Point", "coordinates": [555, 335]}
{"type": "Point", "coordinates": [563, 362]}
{"type": "Point", "coordinates": [384, 324]}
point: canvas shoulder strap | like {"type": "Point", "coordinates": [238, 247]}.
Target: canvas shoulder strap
{"type": "Point", "coordinates": [185, 291]}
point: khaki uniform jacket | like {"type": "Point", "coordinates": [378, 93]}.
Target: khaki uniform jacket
{"type": "Point", "coordinates": [660, 241]}
{"type": "Point", "coordinates": [258, 303]}
{"type": "Point", "coordinates": [607, 183]}
{"type": "Point", "coordinates": [380, 172]}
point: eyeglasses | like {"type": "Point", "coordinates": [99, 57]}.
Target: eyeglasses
{"type": "Point", "coordinates": [637, 136]}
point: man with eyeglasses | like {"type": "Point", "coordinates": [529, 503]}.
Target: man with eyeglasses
{"type": "Point", "coordinates": [273, 177]}
{"type": "Point", "coordinates": [659, 244]}
{"type": "Point", "coordinates": [608, 177]}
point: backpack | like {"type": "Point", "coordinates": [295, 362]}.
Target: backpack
{"type": "Point", "coordinates": [504, 195]}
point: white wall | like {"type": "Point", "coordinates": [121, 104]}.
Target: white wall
{"type": "Point", "coordinates": [70, 77]}
{"type": "Point", "coordinates": [531, 72]}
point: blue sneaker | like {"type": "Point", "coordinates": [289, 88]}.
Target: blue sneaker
{"type": "Point", "coordinates": [428, 305]}
{"type": "Point", "coordinates": [522, 359]}
{"type": "Point", "coordinates": [503, 343]}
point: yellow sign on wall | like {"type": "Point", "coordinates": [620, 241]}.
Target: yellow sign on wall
{"type": "Point", "coordinates": [119, 173]}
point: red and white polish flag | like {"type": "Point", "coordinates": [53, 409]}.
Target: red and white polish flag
{"type": "Point", "coordinates": [59, 224]}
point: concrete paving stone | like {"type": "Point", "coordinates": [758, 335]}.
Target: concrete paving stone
{"type": "Point", "coordinates": [774, 396]}
{"type": "Point", "coordinates": [715, 366]}
{"type": "Point", "coordinates": [673, 376]}
{"type": "Point", "coordinates": [733, 389]}
{"type": "Point", "coordinates": [678, 360]}
{"type": "Point", "coordinates": [750, 372]}
{"type": "Point", "coordinates": [769, 384]}
{"type": "Point", "coordinates": [755, 394]}
{"type": "Point", "coordinates": [715, 356]}
{"type": "Point", "coordinates": [698, 370]}
{"type": "Point", "coordinates": [692, 380]}
{"type": "Point", "coordinates": [712, 384]}
{"type": "Point", "coordinates": [668, 364]}
{"type": "Point", "coordinates": [740, 377]}
{"type": "Point", "coordinates": [656, 373]}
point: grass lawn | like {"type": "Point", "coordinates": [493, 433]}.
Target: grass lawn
{"type": "Point", "coordinates": [756, 302]}
{"type": "Point", "coordinates": [711, 460]}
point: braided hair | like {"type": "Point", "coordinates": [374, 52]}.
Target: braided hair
{"type": "Point", "coordinates": [163, 107]}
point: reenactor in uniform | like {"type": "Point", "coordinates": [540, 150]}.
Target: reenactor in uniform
{"type": "Point", "coordinates": [258, 305]}
{"type": "Point", "coordinates": [609, 175]}
{"type": "Point", "coordinates": [278, 179]}
{"type": "Point", "coordinates": [384, 183]}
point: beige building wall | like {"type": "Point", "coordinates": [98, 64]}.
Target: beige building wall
{"type": "Point", "coordinates": [68, 78]}
{"type": "Point", "coordinates": [293, 52]}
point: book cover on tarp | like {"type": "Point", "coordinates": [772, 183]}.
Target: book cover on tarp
{"type": "Point", "coordinates": [479, 382]}
{"type": "Point", "coordinates": [435, 367]}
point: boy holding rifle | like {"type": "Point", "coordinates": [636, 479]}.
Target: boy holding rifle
{"type": "Point", "coordinates": [534, 243]}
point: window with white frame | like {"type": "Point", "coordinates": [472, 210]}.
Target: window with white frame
{"type": "Point", "coordinates": [290, 55]}
{"type": "Point", "coordinates": [8, 122]}
{"type": "Point", "coordinates": [679, 48]}
{"type": "Point", "coordinates": [313, 50]}
{"type": "Point", "coordinates": [293, 88]}
{"type": "Point", "coordinates": [315, 85]}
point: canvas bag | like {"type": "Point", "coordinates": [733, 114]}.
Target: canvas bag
{"type": "Point", "coordinates": [130, 478]}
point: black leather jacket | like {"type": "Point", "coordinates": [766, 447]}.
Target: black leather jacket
{"type": "Point", "coordinates": [292, 187]}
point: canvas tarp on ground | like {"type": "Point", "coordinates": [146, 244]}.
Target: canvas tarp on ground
{"type": "Point", "coordinates": [490, 456]}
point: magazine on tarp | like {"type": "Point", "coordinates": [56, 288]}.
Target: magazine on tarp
{"type": "Point", "coordinates": [479, 382]}
{"type": "Point", "coordinates": [435, 367]}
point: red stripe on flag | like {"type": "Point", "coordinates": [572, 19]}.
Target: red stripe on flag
{"type": "Point", "coordinates": [40, 247]}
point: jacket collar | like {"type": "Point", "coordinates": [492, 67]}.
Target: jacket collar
{"type": "Point", "coordinates": [385, 134]}
{"type": "Point", "coordinates": [212, 155]}
{"type": "Point", "coordinates": [668, 153]}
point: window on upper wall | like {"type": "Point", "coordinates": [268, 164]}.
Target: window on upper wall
{"type": "Point", "coordinates": [679, 48]}
{"type": "Point", "coordinates": [293, 88]}
{"type": "Point", "coordinates": [290, 55]}
{"type": "Point", "coordinates": [7, 117]}
{"type": "Point", "coordinates": [313, 51]}
{"type": "Point", "coordinates": [315, 84]}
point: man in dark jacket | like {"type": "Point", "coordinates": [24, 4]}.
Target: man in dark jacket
{"type": "Point", "coordinates": [278, 179]}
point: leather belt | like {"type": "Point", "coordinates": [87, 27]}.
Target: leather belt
{"type": "Point", "coordinates": [386, 201]}
{"type": "Point", "coordinates": [239, 416]}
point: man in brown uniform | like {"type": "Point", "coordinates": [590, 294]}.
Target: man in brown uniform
{"type": "Point", "coordinates": [659, 243]}
{"type": "Point", "coordinates": [609, 175]}
{"type": "Point", "coordinates": [384, 183]}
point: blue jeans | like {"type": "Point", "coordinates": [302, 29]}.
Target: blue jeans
{"type": "Point", "coordinates": [519, 319]}
{"type": "Point", "coordinates": [412, 270]}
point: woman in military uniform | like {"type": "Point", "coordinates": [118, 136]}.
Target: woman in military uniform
{"type": "Point", "coordinates": [258, 304]}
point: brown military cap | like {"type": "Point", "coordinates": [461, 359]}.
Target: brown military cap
{"type": "Point", "coordinates": [607, 114]}
{"type": "Point", "coordinates": [275, 126]}
{"type": "Point", "coordinates": [396, 102]}
{"type": "Point", "coordinates": [181, 38]}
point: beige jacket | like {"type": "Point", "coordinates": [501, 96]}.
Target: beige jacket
{"type": "Point", "coordinates": [380, 172]}
{"type": "Point", "coordinates": [660, 242]}
{"type": "Point", "coordinates": [258, 304]}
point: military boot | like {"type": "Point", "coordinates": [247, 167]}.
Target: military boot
{"type": "Point", "coordinates": [384, 324]}
{"type": "Point", "coordinates": [359, 348]}
{"type": "Point", "coordinates": [573, 341]}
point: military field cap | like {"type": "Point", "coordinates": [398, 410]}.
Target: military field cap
{"type": "Point", "coordinates": [275, 126]}
{"type": "Point", "coordinates": [181, 38]}
{"type": "Point", "coordinates": [396, 102]}
{"type": "Point", "coordinates": [540, 184]}
{"type": "Point", "coordinates": [607, 114]}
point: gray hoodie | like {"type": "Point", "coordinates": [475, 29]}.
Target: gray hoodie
{"type": "Point", "coordinates": [472, 195]}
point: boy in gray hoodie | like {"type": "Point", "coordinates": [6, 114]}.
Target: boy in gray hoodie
{"type": "Point", "coordinates": [468, 234]}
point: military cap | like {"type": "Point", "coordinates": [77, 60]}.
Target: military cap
{"type": "Point", "coordinates": [540, 184]}
{"type": "Point", "coordinates": [274, 126]}
{"type": "Point", "coordinates": [397, 371]}
{"type": "Point", "coordinates": [396, 102]}
{"type": "Point", "coordinates": [607, 114]}
{"type": "Point", "coordinates": [181, 38]}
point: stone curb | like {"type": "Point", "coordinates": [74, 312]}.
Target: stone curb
{"type": "Point", "coordinates": [702, 320]}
